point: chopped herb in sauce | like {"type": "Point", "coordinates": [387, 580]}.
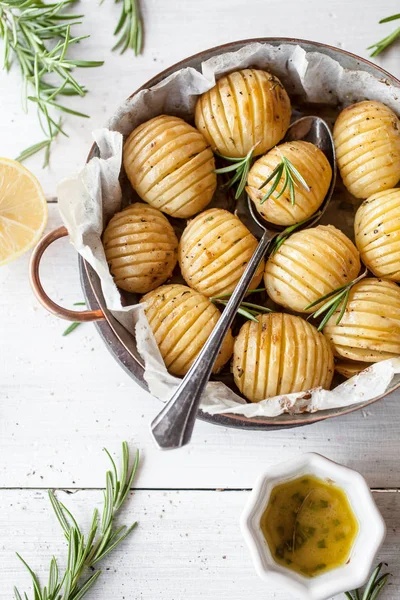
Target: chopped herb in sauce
{"type": "Point", "coordinates": [309, 525]}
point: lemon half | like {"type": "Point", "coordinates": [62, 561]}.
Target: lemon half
{"type": "Point", "coordinates": [23, 210]}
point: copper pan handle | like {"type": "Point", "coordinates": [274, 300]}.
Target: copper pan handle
{"type": "Point", "coordinates": [55, 309]}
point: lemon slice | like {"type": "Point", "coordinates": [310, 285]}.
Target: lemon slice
{"type": "Point", "coordinates": [23, 210]}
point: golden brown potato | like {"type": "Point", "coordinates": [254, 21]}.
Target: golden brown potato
{"type": "Point", "coordinates": [377, 231]}
{"type": "Point", "coordinates": [310, 264]}
{"type": "Point", "coordinates": [243, 109]}
{"type": "Point", "coordinates": [370, 328]}
{"type": "Point", "coordinates": [182, 320]}
{"type": "Point", "coordinates": [314, 167]}
{"type": "Point", "coordinates": [350, 368]}
{"type": "Point", "coordinates": [214, 251]}
{"type": "Point", "coordinates": [280, 354]}
{"type": "Point", "coordinates": [171, 166]}
{"type": "Point", "coordinates": [367, 143]}
{"type": "Point", "coordinates": [141, 248]}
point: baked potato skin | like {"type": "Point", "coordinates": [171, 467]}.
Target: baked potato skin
{"type": "Point", "coordinates": [171, 166]}
{"type": "Point", "coordinates": [348, 368]}
{"type": "Point", "coordinates": [141, 248]}
{"type": "Point", "coordinates": [244, 109]}
{"type": "Point", "coordinates": [310, 264]}
{"type": "Point", "coordinates": [280, 354]}
{"type": "Point", "coordinates": [182, 320]}
{"type": "Point", "coordinates": [370, 328]}
{"type": "Point", "coordinates": [214, 251]}
{"type": "Point", "coordinates": [311, 163]}
{"type": "Point", "coordinates": [377, 233]}
{"type": "Point", "coordinates": [367, 144]}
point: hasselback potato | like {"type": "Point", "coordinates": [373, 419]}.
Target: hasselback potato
{"type": "Point", "coordinates": [349, 368]}
{"type": "Point", "coordinates": [280, 354]}
{"type": "Point", "coordinates": [370, 328]}
{"type": "Point", "coordinates": [141, 248]}
{"type": "Point", "coordinates": [312, 165]}
{"type": "Point", "coordinates": [214, 251]}
{"type": "Point", "coordinates": [171, 166]}
{"type": "Point", "coordinates": [377, 232]}
{"type": "Point", "coordinates": [367, 143]}
{"type": "Point", "coordinates": [182, 320]}
{"type": "Point", "coordinates": [244, 108]}
{"type": "Point", "coordinates": [310, 264]}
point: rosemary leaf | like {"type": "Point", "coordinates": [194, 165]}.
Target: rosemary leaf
{"type": "Point", "coordinates": [74, 583]}
{"type": "Point", "coordinates": [130, 27]}
{"type": "Point", "coordinates": [282, 237]}
{"type": "Point", "coordinates": [387, 41]}
{"type": "Point", "coordinates": [336, 299]}
{"type": "Point", "coordinates": [241, 167]}
{"type": "Point", "coordinates": [71, 328]}
{"type": "Point", "coordinates": [246, 309]}
{"type": "Point", "coordinates": [37, 37]}
{"type": "Point", "coordinates": [292, 179]}
{"type": "Point", "coordinates": [373, 587]}
{"type": "Point", "coordinates": [392, 18]}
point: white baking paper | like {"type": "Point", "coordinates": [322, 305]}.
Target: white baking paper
{"type": "Point", "coordinates": [87, 201]}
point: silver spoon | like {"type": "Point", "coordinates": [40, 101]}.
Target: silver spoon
{"type": "Point", "coordinates": [173, 426]}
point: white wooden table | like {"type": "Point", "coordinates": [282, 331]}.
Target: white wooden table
{"type": "Point", "coordinates": [63, 399]}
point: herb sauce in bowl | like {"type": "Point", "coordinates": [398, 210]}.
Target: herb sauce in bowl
{"type": "Point", "coordinates": [309, 525]}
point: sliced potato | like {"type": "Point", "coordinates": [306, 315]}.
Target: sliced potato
{"type": "Point", "coordinates": [310, 264]}
{"type": "Point", "coordinates": [182, 320]}
{"type": "Point", "coordinates": [350, 368]}
{"type": "Point", "coordinates": [141, 248]}
{"type": "Point", "coordinates": [367, 143]}
{"type": "Point", "coordinates": [243, 109]}
{"type": "Point", "coordinates": [315, 169]}
{"type": "Point", "coordinates": [370, 328]}
{"type": "Point", "coordinates": [214, 251]}
{"type": "Point", "coordinates": [377, 231]}
{"type": "Point", "coordinates": [171, 166]}
{"type": "Point", "coordinates": [280, 354]}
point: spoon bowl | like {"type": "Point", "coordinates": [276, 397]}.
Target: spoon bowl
{"type": "Point", "coordinates": [173, 426]}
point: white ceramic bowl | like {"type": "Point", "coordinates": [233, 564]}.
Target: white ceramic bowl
{"type": "Point", "coordinates": [372, 529]}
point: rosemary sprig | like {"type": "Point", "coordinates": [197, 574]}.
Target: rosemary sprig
{"type": "Point", "coordinates": [380, 46]}
{"type": "Point", "coordinates": [74, 324]}
{"type": "Point", "coordinates": [84, 553]}
{"type": "Point", "coordinates": [37, 36]}
{"type": "Point", "coordinates": [246, 309]}
{"type": "Point", "coordinates": [282, 237]}
{"type": "Point", "coordinates": [241, 166]}
{"type": "Point", "coordinates": [337, 297]}
{"type": "Point", "coordinates": [130, 27]}
{"type": "Point", "coordinates": [292, 179]}
{"type": "Point", "coordinates": [373, 588]}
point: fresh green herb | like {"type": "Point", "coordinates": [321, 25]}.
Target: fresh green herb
{"type": "Point", "coordinates": [380, 46]}
{"type": "Point", "coordinates": [130, 27]}
{"type": "Point", "coordinates": [282, 237]}
{"type": "Point", "coordinates": [292, 179]}
{"type": "Point", "coordinates": [242, 168]}
{"type": "Point", "coordinates": [85, 552]}
{"type": "Point", "coordinates": [373, 588]}
{"type": "Point", "coordinates": [246, 309]}
{"type": "Point", "coordinates": [71, 328]}
{"type": "Point", "coordinates": [38, 37]}
{"type": "Point", "coordinates": [74, 324]}
{"type": "Point", "coordinates": [334, 299]}
{"type": "Point", "coordinates": [321, 544]}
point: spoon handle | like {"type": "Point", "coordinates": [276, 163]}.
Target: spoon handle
{"type": "Point", "coordinates": [173, 426]}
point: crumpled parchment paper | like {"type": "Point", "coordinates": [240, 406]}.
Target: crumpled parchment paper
{"type": "Point", "coordinates": [88, 200]}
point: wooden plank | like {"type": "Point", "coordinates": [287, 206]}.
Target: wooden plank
{"type": "Point", "coordinates": [63, 399]}
{"type": "Point", "coordinates": [187, 546]}
{"type": "Point", "coordinates": [173, 31]}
